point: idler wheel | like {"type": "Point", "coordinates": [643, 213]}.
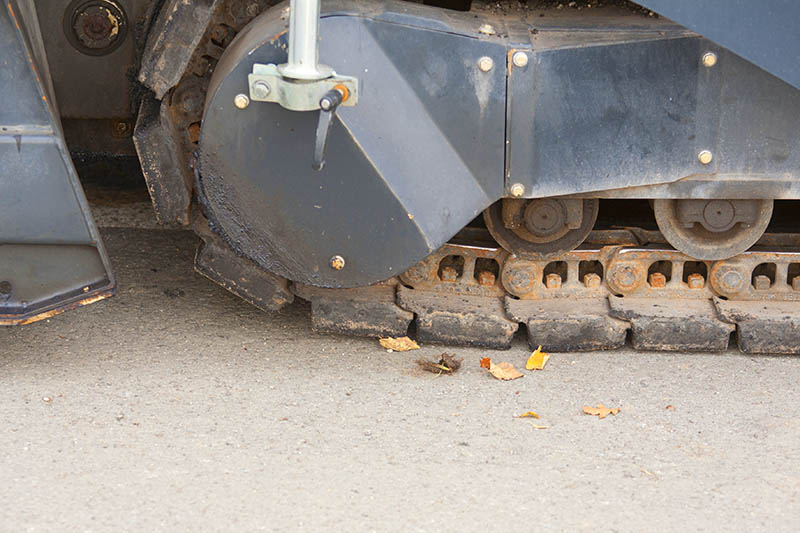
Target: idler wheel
{"type": "Point", "coordinates": [541, 228]}
{"type": "Point", "coordinates": [712, 229]}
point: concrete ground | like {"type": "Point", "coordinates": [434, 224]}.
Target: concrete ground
{"type": "Point", "coordinates": [177, 406]}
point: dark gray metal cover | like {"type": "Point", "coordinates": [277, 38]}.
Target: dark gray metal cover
{"type": "Point", "coordinates": [51, 257]}
{"type": "Point", "coordinates": [402, 175]}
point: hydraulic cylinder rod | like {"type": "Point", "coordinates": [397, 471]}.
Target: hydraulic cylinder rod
{"type": "Point", "coordinates": [304, 42]}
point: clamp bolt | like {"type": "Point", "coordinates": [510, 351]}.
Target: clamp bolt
{"type": "Point", "coordinates": [517, 190]}
{"type": "Point", "coordinates": [709, 59]}
{"type": "Point", "coordinates": [241, 101]}
{"type": "Point", "coordinates": [261, 90]}
{"type": "Point", "coordinates": [485, 64]}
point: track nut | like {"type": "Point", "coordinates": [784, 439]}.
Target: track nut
{"type": "Point", "coordinates": [552, 281]}
{"type": "Point", "coordinates": [696, 281]}
{"type": "Point", "coordinates": [591, 281]}
{"type": "Point", "coordinates": [657, 280]}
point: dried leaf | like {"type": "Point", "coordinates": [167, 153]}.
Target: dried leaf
{"type": "Point", "coordinates": [537, 360]}
{"type": "Point", "coordinates": [537, 426]}
{"type": "Point", "coordinates": [670, 407]}
{"type": "Point", "coordinates": [600, 411]}
{"type": "Point", "coordinates": [528, 414]}
{"type": "Point", "coordinates": [504, 371]}
{"type": "Point", "coordinates": [447, 364]}
{"type": "Point", "coordinates": [399, 344]}
{"type": "Point", "coordinates": [486, 363]}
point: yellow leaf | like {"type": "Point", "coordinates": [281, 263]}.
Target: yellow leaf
{"type": "Point", "coordinates": [400, 344]}
{"type": "Point", "coordinates": [537, 360]}
{"type": "Point", "coordinates": [601, 411]}
{"type": "Point", "coordinates": [537, 426]}
{"type": "Point", "coordinates": [528, 414]}
{"type": "Point", "coordinates": [504, 371]}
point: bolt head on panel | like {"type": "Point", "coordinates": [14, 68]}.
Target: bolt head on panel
{"type": "Point", "coordinates": [520, 59]}
{"type": "Point", "coordinates": [241, 101]}
{"type": "Point", "coordinates": [709, 59]}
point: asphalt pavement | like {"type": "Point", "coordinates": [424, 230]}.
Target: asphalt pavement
{"type": "Point", "coordinates": [177, 406]}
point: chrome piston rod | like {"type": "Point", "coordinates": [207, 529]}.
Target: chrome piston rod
{"type": "Point", "coordinates": [304, 43]}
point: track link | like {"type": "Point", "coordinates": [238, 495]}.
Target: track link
{"type": "Point", "coordinates": [592, 298]}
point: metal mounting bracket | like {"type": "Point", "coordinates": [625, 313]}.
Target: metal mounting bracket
{"type": "Point", "coordinates": [267, 85]}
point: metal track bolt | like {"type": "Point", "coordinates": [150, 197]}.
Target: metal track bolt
{"type": "Point", "coordinates": [591, 281]}
{"type": "Point", "coordinates": [705, 157]}
{"type": "Point", "coordinates": [486, 278]}
{"type": "Point", "coordinates": [730, 281]}
{"type": "Point", "coordinates": [337, 262]}
{"type": "Point", "coordinates": [517, 190]}
{"type": "Point", "coordinates": [241, 101]}
{"type": "Point", "coordinates": [449, 274]}
{"type": "Point", "coordinates": [709, 59]}
{"type": "Point", "coordinates": [624, 277]}
{"type": "Point", "coordinates": [552, 281]}
{"type": "Point", "coordinates": [520, 59]}
{"type": "Point", "coordinates": [261, 90]}
{"type": "Point", "coordinates": [762, 283]}
{"type": "Point", "coordinates": [485, 64]}
{"type": "Point", "coordinates": [696, 281]}
{"type": "Point", "coordinates": [518, 281]}
{"type": "Point", "coordinates": [657, 280]}
{"type": "Point", "coordinates": [417, 273]}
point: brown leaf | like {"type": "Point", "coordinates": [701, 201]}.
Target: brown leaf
{"type": "Point", "coordinates": [601, 411]}
{"type": "Point", "coordinates": [528, 414]}
{"type": "Point", "coordinates": [447, 364]}
{"type": "Point", "coordinates": [670, 407]}
{"type": "Point", "coordinates": [486, 363]}
{"type": "Point", "coordinates": [504, 371]}
{"type": "Point", "coordinates": [537, 360]}
{"type": "Point", "coordinates": [399, 344]}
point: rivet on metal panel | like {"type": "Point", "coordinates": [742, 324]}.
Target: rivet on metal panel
{"type": "Point", "coordinates": [485, 64]}
{"type": "Point", "coordinates": [709, 59]}
{"type": "Point", "coordinates": [337, 262]}
{"type": "Point", "coordinates": [695, 281]}
{"type": "Point", "coordinates": [517, 190]}
{"type": "Point", "coordinates": [241, 101]}
{"type": "Point", "coordinates": [705, 157]}
{"type": "Point", "coordinates": [520, 59]}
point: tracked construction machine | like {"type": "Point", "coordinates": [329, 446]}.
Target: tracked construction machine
{"type": "Point", "coordinates": [589, 171]}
